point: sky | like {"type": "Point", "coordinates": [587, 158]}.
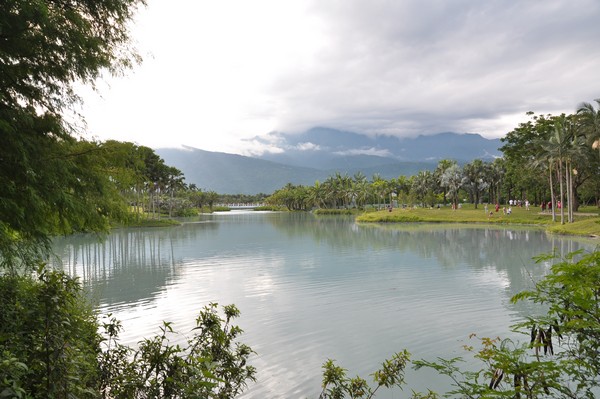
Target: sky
{"type": "Point", "coordinates": [218, 74]}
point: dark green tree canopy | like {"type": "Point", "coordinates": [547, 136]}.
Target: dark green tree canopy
{"type": "Point", "coordinates": [51, 182]}
{"type": "Point", "coordinates": [46, 46]}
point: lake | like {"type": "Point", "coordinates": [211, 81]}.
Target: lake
{"type": "Point", "coordinates": [312, 288]}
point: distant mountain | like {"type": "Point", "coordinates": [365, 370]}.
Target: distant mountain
{"type": "Point", "coordinates": [319, 153]}
{"type": "Point", "coordinates": [326, 148]}
{"type": "Point", "coordinates": [235, 174]}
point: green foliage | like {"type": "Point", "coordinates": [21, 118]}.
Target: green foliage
{"type": "Point", "coordinates": [337, 211]}
{"type": "Point", "coordinates": [337, 385]}
{"type": "Point", "coordinates": [211, 365]}
{"type": "Point", "coordinates": [48, 338]}
{"type": "Point", "coordinates": [11, 374]}
{"type": "Point", "coordinates": [269, 208]}
{"type": "Point", "coordinates": [51, 184]}
{"type": "Point", "coordinates": [294, 198]}
{"type": "Point", "coordinates": [52, 187]}
{"type": "Point", "coordinates": [50, 348]}
{"type": "Point", "coordinates": [559, 358]}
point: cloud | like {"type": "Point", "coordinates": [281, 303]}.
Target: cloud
{"type": "Point", "coordinates": [366, 151]}
{"type": "Point", "coordinates": [408, 68]}
{"type": "Point", "coordinates": [308, 147]}
{"type": "Point", "coordinates": [218, 75]}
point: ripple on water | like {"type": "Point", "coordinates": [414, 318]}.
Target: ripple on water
{"type": "Point", "coordinates": [310, 290]}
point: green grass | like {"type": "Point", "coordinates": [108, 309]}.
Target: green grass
{"type": "Point", "coordinates": [270, 208]}
{"type": "Point", "coordinates": [325, 211]}
{"type": "Point", "coordinates": [587, 220]}
{"type": "Point", "coordinates": [144, 222]}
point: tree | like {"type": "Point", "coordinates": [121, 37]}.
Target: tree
{"type": "Point", "coordinates": [442, 166]}
{"type": "Point", "coordinates": [46, 47]}
{"type": "Point", "coordinates": [51, 186]}
{"type": "Point", "coordinates": [473, 179]}
{"type": "Point", "coordinates": [401, 187]}
{"type": "Point", "coordinates": [451, 180]}
{"type": "Point", "coordinates": [560, 149]}
{"type": "Point", "coordinates": [422, 186]}
{"type": "Point", "coordinates": [211, 197]}
{"type": "Point", "coordinates": [52, 361]}
{"type": "Point", "coordinates": [521, 152]}
{"type": "Point", "coordinates": [380, 188]}
{"type": "Point", "coordinates": [589, 122]}
{"type": "Point", "coordinates": [56, 361]}
{"type": "Point", "coordinates": [211, 365]}
{"type": "Point", "coordinates": [559, 358]}
{"type": "Point", "coordinates": [337, 385]}
{"type": "Point", "coordinates": [496, 173]}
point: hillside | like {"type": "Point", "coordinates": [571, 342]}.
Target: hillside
{"type": "Point", "coordinates": [319, 153]}
{"type": "Point", "coordinates": [235, 174]}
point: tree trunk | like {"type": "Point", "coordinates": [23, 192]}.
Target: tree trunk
{"type": "Point", "coordinates": [569, 176]}
{"type": "Point", "coordinates": [552, 195]}
{"type": "Point", "coordinates": [562, 194]}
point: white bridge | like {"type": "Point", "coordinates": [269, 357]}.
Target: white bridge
{"type": "Point", "coordinates": [242, 205]}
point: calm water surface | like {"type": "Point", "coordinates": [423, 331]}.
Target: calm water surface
{"type": "Point", "coordinates": [313, 288]}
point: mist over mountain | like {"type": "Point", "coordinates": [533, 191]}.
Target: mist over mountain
{"type": "Point", "coordinates": [324, 148]}
{"type": "Point", "coordinates": [319, 153]}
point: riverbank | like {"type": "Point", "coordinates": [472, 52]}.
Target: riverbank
{"type": "Point", "coordinates": [587, 222]}
{"type": "Point", "coordinates": [144, 222]}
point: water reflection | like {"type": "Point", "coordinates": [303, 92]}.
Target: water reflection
{"type": "Point", "coordinates": [127, 265]}
{"type": "Point", "coordinates": [312, 288]}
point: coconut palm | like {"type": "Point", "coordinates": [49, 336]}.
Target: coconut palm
{"type": "Point", "coordinates": [558, 150]}
{"type": "Point", "coordinates": [496, 172]}
{"type": "Point", "coordinates": [589, 122]}
{"type": "Point", "coordinates": [361, 189]}
{"type": "Point", "coordinates": [442, 166]}
{"type": "Point", "coordinates": [451, 180]}
{"type": "Point", "coordinates": [473, 179]}
{"type": "Point", "coordinates": [380, 188]}
{"type": "Point", "coordinates": [422, 185]}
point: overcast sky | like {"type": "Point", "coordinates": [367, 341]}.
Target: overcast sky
{"type": "Point", "coordinates": [218, 73]}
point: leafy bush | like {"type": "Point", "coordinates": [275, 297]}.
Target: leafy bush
{"type": "Point", "coordinates": [50, 348]}
{"type": "Point", "coordinates": [211, 365]}
{"type": "Point", "coordinates": [49, 336]}
{"type": "Point", "coordinates": [559, 358]}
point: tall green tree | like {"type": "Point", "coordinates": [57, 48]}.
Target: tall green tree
{"type": "Point", "coordinates": [589, 122]}
{"type": "Point", "coordinates": [442, 166]}
{"type": "Point", "coordinates": [451, 179]}
{"type": "Point", "coordinates": [422, 186]}
{"type": "Point", "coordinates": [474, 179]}
{"type": "Point", "coordinates": [496, 173]}
{"type": "Point", "coordinates": [521, 150]}
{"type": "Point", "coordinates": [589, 126]}
{"type": "Point", "coordinates": [46, 47]}
{"type": "Point", "coordinates": [559, 356]}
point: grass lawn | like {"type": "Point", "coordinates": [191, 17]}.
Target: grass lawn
{"type": "Point", "coordinates": [587, 220]}
{"type": "Point", "coordinates": [147, 222]}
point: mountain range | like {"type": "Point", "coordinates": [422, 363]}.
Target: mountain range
{"type": "Point", "coordinates": [321, 152]}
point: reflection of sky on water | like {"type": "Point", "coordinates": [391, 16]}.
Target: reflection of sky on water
{"type": "Point", "coordinates": [316, 288]}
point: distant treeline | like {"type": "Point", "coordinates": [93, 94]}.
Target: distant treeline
{"type": "Point", "coordinates": [547, 159]}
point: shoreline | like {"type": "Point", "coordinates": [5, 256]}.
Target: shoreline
{"type": "Point", "coordinates": [585, 224]}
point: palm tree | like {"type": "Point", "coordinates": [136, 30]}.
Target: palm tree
{"type": "Point", "coordinates": [496, 172]}
{"type": "Point", "coordinates": [316, 195]}
{"type": "Point", "coordinates": [473, 179]}
{"type": "Point", "coordinates": [451, 180]}
{"type": "Point", "coordinates": [360, 189]}
{"type": "Point", "coordinates": [422, 184]}
{"type": "Point", "coordinates": [589, 123]}
{"type": "Point", "coordinates": [442, 166]}
{"type": "Point", "coordinates": [556, 151]}
{"type": "Point", "coordinates": [379, 186]}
